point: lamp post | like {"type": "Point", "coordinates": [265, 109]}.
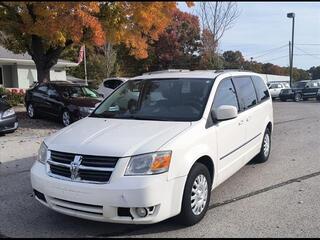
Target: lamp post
{"type": "Point", "coordinates": [291, 15]}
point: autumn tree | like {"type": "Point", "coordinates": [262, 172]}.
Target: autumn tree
{"type": "Point", "coordinates": [217, 17]}
{"type": "Point", "coordinates": [178, 46]}
{"type": "Point", "coordinates": [46, 29]}
{"type": "Point", "coordinates": [209, 58]}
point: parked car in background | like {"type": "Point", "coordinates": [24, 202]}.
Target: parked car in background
{"type": "Point", "coordinates": [8, 118]}
{"type": "Point", "coordinates": [302, 90]}
{"type": "Point", "coordinates": [109, 85]}
{"type": "Point", "coordinates": [63, 100]}
{"type": "Point", "coordinates": [156, 147]}
{"type": "Point", "coordinates": [275, 89]}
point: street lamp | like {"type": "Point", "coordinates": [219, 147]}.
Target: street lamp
{"type": "Point", "coordinates": [291, 15]}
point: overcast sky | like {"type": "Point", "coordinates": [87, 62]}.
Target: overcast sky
{"type": "Point", "coordinates": [264, 25]}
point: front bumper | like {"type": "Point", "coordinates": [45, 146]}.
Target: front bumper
{"type": "Point", "coordinates": [9, 124]}
{"type": "Point", "coordinates": [100, 202]}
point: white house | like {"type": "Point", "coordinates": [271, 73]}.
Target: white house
{"type": "Point", "coordinates": [19, 70]}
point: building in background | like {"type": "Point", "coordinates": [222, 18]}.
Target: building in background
{"type": "Point", "coordinates": [19, 70]}
{"type": "Point", "coordinates": [270, 78]}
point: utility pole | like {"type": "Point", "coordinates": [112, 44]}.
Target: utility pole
{"type": "Point", "coordinates": [290, 54]}
{"type": "Point", "coordinates": [291, 15]}
{"type": "Point", "coordinates": [85, 65]}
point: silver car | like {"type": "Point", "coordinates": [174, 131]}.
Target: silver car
{"type": "Point", "coordinates": [109, 85]}
{"type": "Point", "coordinates": [275, 89]}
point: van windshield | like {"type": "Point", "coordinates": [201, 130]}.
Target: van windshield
{"type": "Point", "coordinates": [157, 99]}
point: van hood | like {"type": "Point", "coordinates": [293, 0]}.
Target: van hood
{"type": "Point", "coordinates": [114, 137]}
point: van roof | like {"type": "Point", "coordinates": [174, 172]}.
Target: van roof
{"type": "Point", "coordinates": [184, 73]}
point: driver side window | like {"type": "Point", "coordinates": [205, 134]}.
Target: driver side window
{"type": "Point", "coordinates": [225, 95]}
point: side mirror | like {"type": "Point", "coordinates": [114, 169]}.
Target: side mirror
{"type": "Point", "coordinates": [225, 112]}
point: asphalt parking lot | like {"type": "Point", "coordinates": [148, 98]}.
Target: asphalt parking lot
{"type": "Point", "coordinates": [279, 198]}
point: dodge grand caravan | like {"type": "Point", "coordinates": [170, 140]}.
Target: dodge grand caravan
{"type": "Point", "coordinates": [156, 147]}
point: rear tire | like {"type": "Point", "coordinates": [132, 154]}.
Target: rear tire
{"type": "Point", "coordinates": [196, 195]}
{"type": "Point", "coordinates": [264, 153]}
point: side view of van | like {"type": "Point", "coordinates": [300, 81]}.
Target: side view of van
{"type": "Point", "coordinates": [156, 147]}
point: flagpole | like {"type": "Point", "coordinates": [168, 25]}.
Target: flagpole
{"type": "Point", "coordinates": [85, 65]}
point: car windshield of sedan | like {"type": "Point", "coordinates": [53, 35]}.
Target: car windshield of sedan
{"type": "Point", "coordinates": [157, 99]}
{"type": "Point", "coordinates": [78, 91]}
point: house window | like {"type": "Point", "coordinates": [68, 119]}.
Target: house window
{"type": "Point", "coordinates": [1, 77]}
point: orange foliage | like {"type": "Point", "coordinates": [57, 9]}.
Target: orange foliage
{"type": "Point", "coordinates": [133, 23]}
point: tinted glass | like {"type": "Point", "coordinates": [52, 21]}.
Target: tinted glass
{"type": "Point", "coordinates": [300, 84]}
{"type": "Point", "coordinates": [225, 95]}
{"type": "Point", "coordinates": [261, 88]}
{"type": "Point", "coordinates": [273, 86]}
{"type": "Point", "coordinates": [245, 91]}
{"type": "Point", "coordinates": [77, 91]}
{"type": "Point", "coordinates": [43, 88]}
{"type": "Point", "coordinates": [113, 84]}
{"type": "Point", "coordinates": [52, 92]}
{"type": "Point", "coordinates": [157, 99]}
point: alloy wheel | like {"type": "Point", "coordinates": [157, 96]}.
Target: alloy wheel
{"type": "Point", "coordinates": [199, 194]}
{"type": "Point", "coordinates": [66, 118]}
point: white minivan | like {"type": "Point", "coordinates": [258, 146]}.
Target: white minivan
{"type": "Point", "coordinates": [156, 147]}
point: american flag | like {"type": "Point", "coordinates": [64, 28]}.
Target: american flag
{"type": "Point", "coordinates": [81, 53]}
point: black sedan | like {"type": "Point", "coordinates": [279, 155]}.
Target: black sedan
{"type": "Point", "coordinates": [8, 118]}
{"type": "Point", "coordinates": [62, 100]}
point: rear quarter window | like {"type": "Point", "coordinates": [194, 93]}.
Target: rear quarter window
{"type": "Point", "coordinates": [261, 88]}
{"type": "Point", "coordinates": [245, 91]}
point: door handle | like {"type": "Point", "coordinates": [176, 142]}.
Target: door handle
{"type": "Point", "coordinates": [241, 122]}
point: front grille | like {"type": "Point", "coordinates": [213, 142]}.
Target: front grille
{"type": "Point", "coordinates": [81, 168]}
{"type": "Point", "coordinates": [286, 91]}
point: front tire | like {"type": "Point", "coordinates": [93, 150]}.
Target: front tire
{"type": "Point", "coordinates": [66, 118]}
{"type": "Point", "coordinates": [196, 195]}
{"type": "Point", "coordinates": [297, 97]}
{"type": "Point", "coordinates": [264, 153]}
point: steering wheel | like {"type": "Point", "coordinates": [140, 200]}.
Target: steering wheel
{"type": "Point", "coordinates": [194, 103]}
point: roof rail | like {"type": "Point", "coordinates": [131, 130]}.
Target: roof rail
{"type": "Point", "coordinates": [229, 70]}
{"type": "Point", "coordinates": [166, 71]}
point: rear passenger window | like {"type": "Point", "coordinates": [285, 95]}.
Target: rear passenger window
{"type": "Point", "coordinates": [225, 95]}
{"type": "Point", "coordinates": [245, 91]}
{"type": "Point", "coordinates": [261, 88]}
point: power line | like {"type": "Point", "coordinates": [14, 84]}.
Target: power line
{"type": "Point", "coordinates": [276, 58]}
{"type": "Point", "coordinates": [308, 44]}
{"type": "Point", "coordinates": [268, 51]}
{"type": "Point", "coordinates": [307, 53]}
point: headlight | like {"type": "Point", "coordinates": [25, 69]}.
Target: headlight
{"type": "Point", "coordinates": [8, 113]}
{"type": "Point", "coordinates": [43, 153]}
{"type": "Point", "coordinates": [148, 164]}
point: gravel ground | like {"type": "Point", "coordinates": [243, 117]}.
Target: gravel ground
{"type": "Point", "coordinates": [25, 141]}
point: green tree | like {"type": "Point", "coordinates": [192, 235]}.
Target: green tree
{"type": "Point", "coordinates": [233, 59]}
